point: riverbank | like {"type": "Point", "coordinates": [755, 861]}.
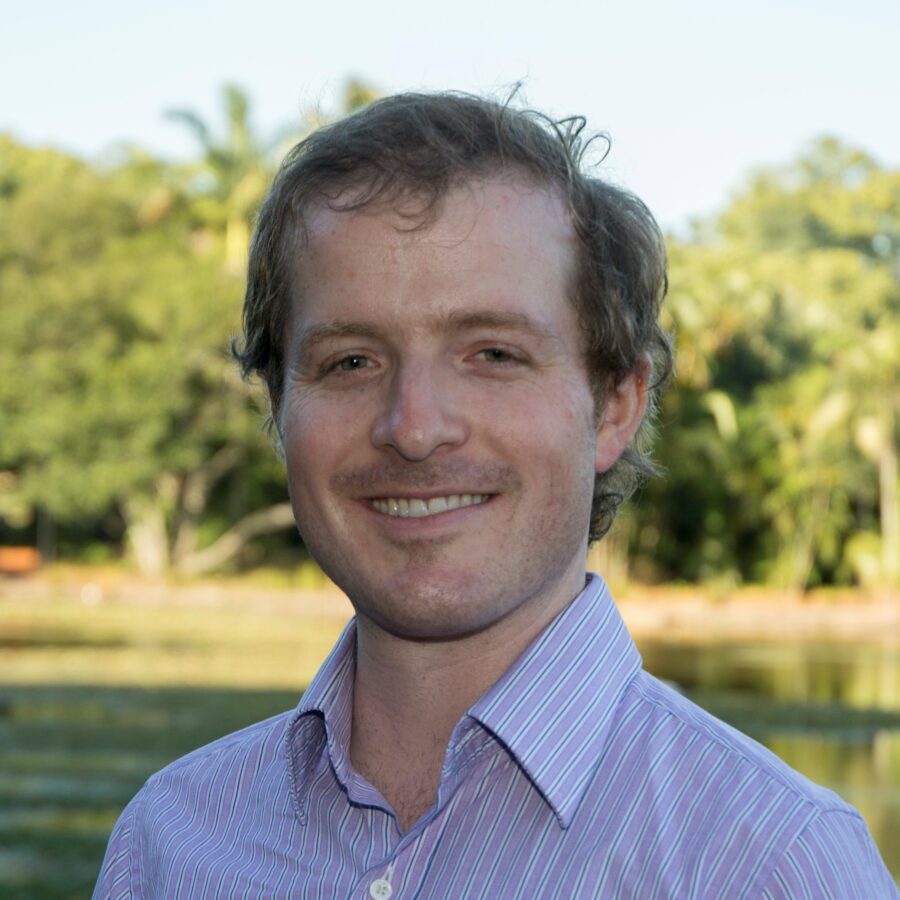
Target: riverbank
{"type": "Point", "coordinates": [683, 614]}
{"type": "Point", "coordinates": [689, 615]}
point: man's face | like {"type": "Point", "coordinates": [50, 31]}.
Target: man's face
{"type": "Point", "coordinates": [438, 423]}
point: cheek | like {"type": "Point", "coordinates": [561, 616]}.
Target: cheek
{"type": "Point", "coordinates": [569, 453]}
{"type": "Point", "coordinates": [317, 433]}
{"type": "Point", "coordinates": [306, 452]}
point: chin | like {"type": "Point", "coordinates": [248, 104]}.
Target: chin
{"type": "Point", "coordinates": [428, 608]}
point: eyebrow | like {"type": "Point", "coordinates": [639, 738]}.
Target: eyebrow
{"type": "Point", "coordinates": [319, 334]}
{"type": "Point", "coordinates": [459, 320]}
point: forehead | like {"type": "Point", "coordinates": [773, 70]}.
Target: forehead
{"type": "Point", "coordinates": [501, 229]}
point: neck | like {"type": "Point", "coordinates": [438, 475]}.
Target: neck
{"type": "Point", "coordinates": [409, 695]}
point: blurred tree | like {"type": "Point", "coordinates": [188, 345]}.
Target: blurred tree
{"type": "Point", "coordinates": [232, 174]}
{"type": "Point", "coordinates": [120, 290]}
{"type": "Point", "coordinates": [356, 94]}
{"type": "Point", "coordinates": [230, 179]}
{"type": "Point", "coordinates": [115, 387]}
{"type": "Point", "coordinates": [787, 314]}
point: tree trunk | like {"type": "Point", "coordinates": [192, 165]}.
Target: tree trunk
{"type": "Point", "coordinates": [194, 493]}
{"type": "Point", "coordinates": [146, 527]}
{"type": "Point", "coordinates": [237, 239]}
{"type": "Point", "coordinates": [225, 548]}
{"type": "Point", "coordinates": [147, 536]}
{"type": "Point", "coordinates": [46, 535]}
{"type": "Point", "coordinates": [889, 502]}
{"type": "Point", "coordinates": [803, 555]}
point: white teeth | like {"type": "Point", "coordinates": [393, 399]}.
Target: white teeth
{"type": "Point", "coordinates": [416, 508]}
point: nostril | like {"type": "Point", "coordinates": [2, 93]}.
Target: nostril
{"type": "Point", "coordinates": [418, 418]}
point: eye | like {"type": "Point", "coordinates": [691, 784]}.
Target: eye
{"type": "Point", "coordinates": [495, 355]}
{"type": "Point", "coordinates": [351, 363]}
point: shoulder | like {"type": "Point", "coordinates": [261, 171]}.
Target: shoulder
{"type": "Point", "coordinates": [744, 817]}
{"type": "Point", "coordinates": [255, 745]}
{"type": "Point", "coordinates": [189, 797]}
{"type": "Point", "coordinates": [737, 752]}
{"type": "Point", "coordinates": [248, 763]}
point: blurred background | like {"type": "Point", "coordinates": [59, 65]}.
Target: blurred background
{"type": "Point", "coordinates": [153, 591]}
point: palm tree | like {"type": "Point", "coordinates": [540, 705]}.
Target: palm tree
{"type": "Point", "coordinates": [237, 166]}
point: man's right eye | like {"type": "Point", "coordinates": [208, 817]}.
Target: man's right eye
{"type": "Point", "coordinates": [351, 363]}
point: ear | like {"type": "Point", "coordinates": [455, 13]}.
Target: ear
{"type": "Point", "coordinates": [622, 414]}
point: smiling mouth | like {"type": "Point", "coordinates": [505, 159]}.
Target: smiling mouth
{"type": "Point", "coordinates": [416, 508]}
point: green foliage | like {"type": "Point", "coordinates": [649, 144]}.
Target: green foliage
{"type": "Point", "coordinates": [231, 177]}
{"type": "Point", "coordinates": [781, 437]}
{"type": "Point", "coordinates": [120, 292]}
{"type": "Point", "coordinates": [116, 320]}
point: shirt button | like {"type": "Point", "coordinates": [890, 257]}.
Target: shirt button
{"type": "Point", "coordinates": [380, 889]}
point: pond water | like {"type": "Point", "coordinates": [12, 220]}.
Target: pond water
{"type": "Point", "coordinates": [830, 711]}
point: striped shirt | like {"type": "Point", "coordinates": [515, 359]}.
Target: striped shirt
{"type": "Point", "coordinates": [576, 775]}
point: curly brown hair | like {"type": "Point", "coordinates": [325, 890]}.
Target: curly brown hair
{"type": "Point", "coordinates": [426, 144]}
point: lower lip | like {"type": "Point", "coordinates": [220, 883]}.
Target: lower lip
{"type": "Point", "coordinates": [436, 520]}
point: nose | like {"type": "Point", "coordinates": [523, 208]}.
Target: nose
{"type": "Point", "coordinates": [419, 415]}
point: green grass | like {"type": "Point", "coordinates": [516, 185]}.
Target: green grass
{"type": "Point", "coordinates": [72, 757]}
{"type": "Point", "coordinates": [259, 644]}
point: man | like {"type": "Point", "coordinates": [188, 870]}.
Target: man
{"type": "Point", "coordinates": [458, 333]}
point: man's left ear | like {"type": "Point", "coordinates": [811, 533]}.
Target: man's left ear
{"type": "Point", "coordinates": [622, 414]}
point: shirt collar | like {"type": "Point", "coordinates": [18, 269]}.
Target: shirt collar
{"type": "Point", "coordinates": [330, 693]}
{"type": "Point", "coordinates": [554, 707]}
{"type": "Point", "coordinates": [323, 717]}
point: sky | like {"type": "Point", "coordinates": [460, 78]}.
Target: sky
{"type": "Point", "coordinates": [695, 94]}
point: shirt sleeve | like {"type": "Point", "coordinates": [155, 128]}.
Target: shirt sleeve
{"type": "Point", "coordinates": [835, 857]}
{"type": "Point", "coordinates": [117, 874]}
